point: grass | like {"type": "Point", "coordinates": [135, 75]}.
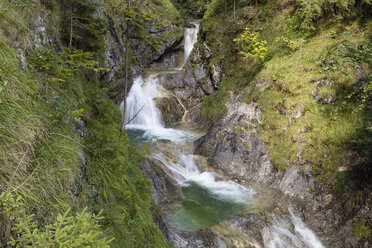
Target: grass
{"type": "Point", "coordinates": [322, 129]}
{"type": "Point", "coordinates": [40, 150]}
{"type": "Point", "coordinates": [298, 128]}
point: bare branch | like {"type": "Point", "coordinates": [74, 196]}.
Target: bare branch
{"type": "Point", "coordinates": [135, 115]}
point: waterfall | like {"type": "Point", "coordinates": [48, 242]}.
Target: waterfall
{"type": "Point", "coordinates": [141, 110]}
{"type": "Point", "coordinates": [290, 232]}
{"type": "Point", "coordinates": [143, 114]}
{"type": "Point", "coordinates": [186, 173]}
{"type": "Point", "coordinates": [208, 199]}
{"type": "Point", "coordinates": [191, 37]}
{"type": "Point", "coordinates": [140, 102]}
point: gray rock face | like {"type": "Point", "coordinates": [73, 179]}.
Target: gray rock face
{"type": "Point", "coordinates": [234, 147]}
{"type": "Point", "coordinates": [115, 52]}
{"type": "Point", "coordinates": [194, 81]}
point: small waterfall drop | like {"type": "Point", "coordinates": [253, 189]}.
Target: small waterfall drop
{"type": "Point", "coordinates": [191, 37]}
{"type": "Point", "coordinates": [290, 232]}
{"type": "Point", "coordinates": [141, 110]}
{"type": "Point", "coordinates": [140, 102]}
{"type": "Point", "coordinates": [186, 172]}
{"type": "Point", "coordinates": [144, 115]}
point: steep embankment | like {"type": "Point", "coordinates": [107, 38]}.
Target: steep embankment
{"type": "Point", "coordinates": [293, 108]}
{"type": "Point", "coordinates": [61, 148]}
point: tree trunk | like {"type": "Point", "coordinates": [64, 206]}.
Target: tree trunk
{"type": "Point", "coordinates": [71, 28]}
{"type": "Point", "coordinates": [126, 74]}
{"type": "Point", "coordinates": [234, 9]}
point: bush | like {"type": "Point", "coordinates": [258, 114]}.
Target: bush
{"type": "Point", "coordinates": [81, 230]}
{"type": "Point", "coordinates": [250, 46]}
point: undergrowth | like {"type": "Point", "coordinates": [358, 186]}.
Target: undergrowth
{"type": "Point", "coordinates": [49, 172]}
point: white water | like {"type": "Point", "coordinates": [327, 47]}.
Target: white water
{"type": "Point", "coordinates": [144, 112]}
{"type": "Point", "coordinates": [191, 37]}
{"type": "Point", "coordinates": [290, 232]}
{"type": "Point", "coordinates": [140, 97]}
{"type": "Point", "coordinates": [185, 171]}
{"type": "Point", "coordinates": [282, 233]}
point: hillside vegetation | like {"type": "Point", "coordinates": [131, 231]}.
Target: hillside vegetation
{"type": "Point", "coordinates": [68, 177]}
{"type": "Point", "coordinates": [308, 66]}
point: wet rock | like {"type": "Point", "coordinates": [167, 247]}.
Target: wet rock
{"type": "Point", "coordinates": [172, 59]}
{"type": "Point", "coordinates": [170, 109]}
{"type": "Point", "coordinates": [164, 141]}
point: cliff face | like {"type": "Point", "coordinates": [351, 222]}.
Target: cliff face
{"type": "Point", "coordinates": [166, 33]}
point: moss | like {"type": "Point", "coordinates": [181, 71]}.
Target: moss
{"type": "Point", "coordinates": [361, 230]}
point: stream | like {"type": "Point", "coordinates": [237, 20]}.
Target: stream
{"type": "Point", "coordinates": [239, 215]}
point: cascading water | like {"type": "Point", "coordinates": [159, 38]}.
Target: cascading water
{"type": "Point", "coordinates": [208, 201]}
{"type": "Point", "coordinates": [191, 37]}
{"type": "Point", "coordinates": [290, 232]}
{"type": "Point", "coordinates": [140, 100]}
{"type": "Point", "coordinates": [143, 115]}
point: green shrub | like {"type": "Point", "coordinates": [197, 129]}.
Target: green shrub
{"type": "Point", "coordinates": [250, 46]}
{"type": "Point", "coordinates": [310, 11]}
{"type": "Point", "coordinates": [80, 230]}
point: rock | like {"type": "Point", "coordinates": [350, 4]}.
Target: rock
{"type": "Point", "coordinates": [170, 109]}
{"type": "Point", "coordinates": [319, 97]}
{"type": "Point", "coordinates": [216, 72]}
{"type": "Point", "coordinates": [207, 50]}
{"type": "Point", "coordinates": [200, 73]}
{"type": "Point", "coordinates": [234, 147]}
{"type": "Point", "coordinates": [145, 55]}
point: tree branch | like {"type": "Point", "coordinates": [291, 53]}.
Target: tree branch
{"type": "Point", "coordinates": [135, 115]}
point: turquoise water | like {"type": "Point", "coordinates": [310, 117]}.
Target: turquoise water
{"type": "Point", "coordinates": [202, 208]}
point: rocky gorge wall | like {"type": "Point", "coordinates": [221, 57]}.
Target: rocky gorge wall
{"type": "Point", "coordinates": [234, 147]}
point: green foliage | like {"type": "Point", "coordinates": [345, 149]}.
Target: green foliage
{"type": "Point", "coordinates": [40, 150]}
{"type": "Point", "coordinates": [87, 27]}
{"type": "Point", "coordinates": [64, 65]}
{"type": "Point", "coordinates": [81, 230]}
{"type": "Point", "coordinates": [250, 46]}
{"type": "Point", "coordinates": [361, 230]}
{"type": "Point", "coordinates": [124, 194]}
{"type": "Point", "coordinates": [340, 181]}
{"type": "Point", "coordinates": [193, 8]}
{"type": "Point", "coordinates": [310, 11]}
{"type": "Point", "coordinates": [355, 54]}
{"type": "Point", "coordinates": [327, 63]}
{"type": "Point", "coordinates": [288, 43]}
